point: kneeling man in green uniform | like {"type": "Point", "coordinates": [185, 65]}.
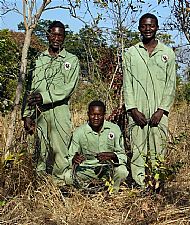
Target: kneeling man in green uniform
{"type": "Point", "coordinates": [95, 146]}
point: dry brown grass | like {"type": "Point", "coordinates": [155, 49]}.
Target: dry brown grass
{"type": "Point", "coordinates": [30, 200]}
{"type": "Point", "coordinates": [78, 117]}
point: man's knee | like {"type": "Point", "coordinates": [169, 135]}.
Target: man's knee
{"type": "Point", "coordinates": [68, 177]}
{"type": "Point", "coordinates": [121, 172]}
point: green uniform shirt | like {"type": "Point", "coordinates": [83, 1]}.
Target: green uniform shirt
{"type": "Point", "coordinates": [149, 81]}
{"type": "Point", "coordinates": [55, 78]}
{"type": "Point", "coordinates": [90, 143]}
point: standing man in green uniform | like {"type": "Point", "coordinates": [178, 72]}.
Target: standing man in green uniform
{"type": "Point", "coordinates": [149, 91]}
{"type": "Point", "coordinates": [95, 145]}
{"type": "Point", "coordinates": [55, 77]}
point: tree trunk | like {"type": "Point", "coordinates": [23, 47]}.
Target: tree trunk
{"type": "Point", "coordinates": [19, 89]}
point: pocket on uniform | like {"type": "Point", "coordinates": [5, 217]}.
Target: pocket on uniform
{"type": "Point", "coordinates": [160, 68]}
{"type": "Point", "coordinates": [110, 144]}
{"type": "Point", "coordinates": [161, 76]}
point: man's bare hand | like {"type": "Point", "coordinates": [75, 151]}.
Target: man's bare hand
{"type": "Point", "coordinates": [78, 158]}
{"type": "Point", "coordinates": [104, 156]}
{"type": "Point", "coordinates": [35, 99]}
{"type": "Point", "coordinates": [138, 117]}
{"type": "Point", "coordinates": [156, 117]}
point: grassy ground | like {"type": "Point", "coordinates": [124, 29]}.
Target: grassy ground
{"type": "Point", "coordinates": [29, 200]}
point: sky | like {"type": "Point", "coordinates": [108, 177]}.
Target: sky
{"type": "Point", "coordinates": [12, 19]}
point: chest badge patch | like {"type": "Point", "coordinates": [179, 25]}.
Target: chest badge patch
{"type": "Point", "coordinates": [67, 66]}
{"type": "Point", "coordinates": [165, 58]}
{"type": "Point", "coordinates": [111, 136]}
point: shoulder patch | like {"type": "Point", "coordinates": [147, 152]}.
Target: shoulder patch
{"type": "Point", "coordinates": [165, 58]}
{"type": "Point", "coordinates": [111, 136]}
{"type": "Point", "coordinates": [67, 66]}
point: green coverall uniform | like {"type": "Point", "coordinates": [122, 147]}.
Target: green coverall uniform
{"type": "Point", "coordinates": [149, 83]}
{"type": "Point", "coordinates": [55, 78]}
{"type": "Point", "coordinates": [89, 143]}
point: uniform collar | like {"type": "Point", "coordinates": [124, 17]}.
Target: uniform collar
{"type": "Point", "coordinates": [61, 53]}
{"type": "Point", "coordinates": [159, 46]}
{"type": "Point", "coordinates": [89, 129]}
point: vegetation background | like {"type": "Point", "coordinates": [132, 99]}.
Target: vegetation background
{"type": "Point", "coordinates": [28, 199]}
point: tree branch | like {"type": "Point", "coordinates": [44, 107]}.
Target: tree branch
{"type": "Point", "coordinates": [39, 12]}
{"type": "Point", "coordinates": [24, 14]}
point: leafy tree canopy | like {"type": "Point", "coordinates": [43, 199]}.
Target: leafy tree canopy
{"type": "Point", "coordinates": [9, 62]}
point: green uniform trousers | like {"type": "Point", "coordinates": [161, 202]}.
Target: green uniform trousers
{"type": "Point", "coordinates": [87, 173]}
{"type": "Point", "coordinates": [149, 141]}
{"type": "Point", "coordinates": [54, 131]}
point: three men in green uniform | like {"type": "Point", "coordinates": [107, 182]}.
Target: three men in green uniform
{"type": "Point", "coordinates": [54, 79]}
{"type": "Point", "coordinates": [149, 91]}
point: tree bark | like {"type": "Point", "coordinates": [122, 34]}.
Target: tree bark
{"type": "Point", "coordinates": [19, 89]}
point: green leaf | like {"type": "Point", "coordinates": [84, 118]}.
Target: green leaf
{"type": "Point", "coordinates": [2, 203]}
{"type": "Point", "coordinates": [157, 185]}
{"type": "Point", "coordinates": [157, 176]}
{"type": "Point", "coordinates": [150, 183]}
{"type": "Point", "coordinates": [10, 157]}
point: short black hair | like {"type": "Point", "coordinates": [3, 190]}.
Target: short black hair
{"type": "Point", "coordinates": [148, 15]}
{"type": "Point", "coordinates": [97, 103]}
{"type": "Point", "coordinates": [56, 23]}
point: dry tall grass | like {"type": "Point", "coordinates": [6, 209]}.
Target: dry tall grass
{"type": "Point", "coordinates": [30, 200]}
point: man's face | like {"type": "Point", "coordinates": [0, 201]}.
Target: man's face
{"type": "Point", "coordinates": [148, 28]}
{"type": "Point", "coordinates": [56, 38]}
{"type": "Point", "coordinates": [96, 116]}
